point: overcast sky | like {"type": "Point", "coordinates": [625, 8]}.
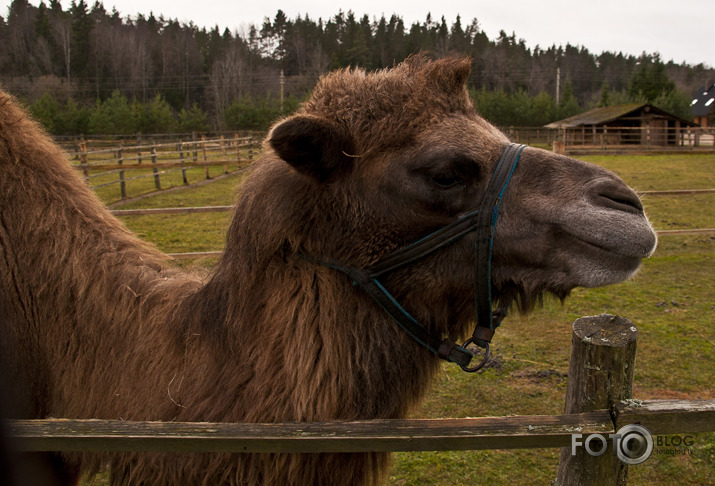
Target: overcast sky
{"type": "Point", "coordinates": [680, 30]}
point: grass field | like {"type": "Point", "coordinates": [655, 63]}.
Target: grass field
{"type": "Point", "coordinates": [671, 301]}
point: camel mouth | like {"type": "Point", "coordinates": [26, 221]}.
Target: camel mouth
{"type": "Point", "coordinates": [610, 217]}
{"type": "Point", "coordinates": [596, 264]}
{"type": "Point", "coordinates": [617, 232]}
{"type": "Point", "coordinates": [621, 243]}
{"type": "Point", "coordinates": [614, 256]}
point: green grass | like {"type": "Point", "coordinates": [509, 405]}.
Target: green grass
{"type": "Point", "coordinates": [189, 232]}
{"type": "Point", "coordinates": [671, 301]}
{"type": "Point", "coordinates": [220, 192]}
{"type": "Point", "coordinates": [660, 172]}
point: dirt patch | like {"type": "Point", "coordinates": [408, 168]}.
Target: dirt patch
{"type": "Point", "coordinates": [540, 375]}
{"type": "Point", "coordinates": [495, 361]}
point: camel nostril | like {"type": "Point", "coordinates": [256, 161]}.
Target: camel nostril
{"type": "Point", "coordinates": [617, 196]}
{"type": "Point", "coordinates": [622, 203]}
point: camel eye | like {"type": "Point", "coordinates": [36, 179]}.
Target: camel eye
{"type": "Point", "coordinates": [447, 181]}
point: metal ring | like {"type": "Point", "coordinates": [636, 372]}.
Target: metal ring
{"type": "Point", "coordinates": [482, 363]}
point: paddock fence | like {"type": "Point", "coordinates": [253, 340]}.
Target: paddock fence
{"type": "Point", "coordinates": [105, 162]}
{"type": "Point", "coordinates": [160, 160]}
{"type": "Point", "coordinates": [598, 401]}
{"type": "Point", "coordinates": [595, 139]}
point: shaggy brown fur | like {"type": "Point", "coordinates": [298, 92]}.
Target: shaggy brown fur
{"type": "Point", "coordinates": [96, 324]}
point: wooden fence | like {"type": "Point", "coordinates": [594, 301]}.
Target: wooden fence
{"type": "Point", "coordinates": [615, 140]}
{"type": "Point", "coordinates": [108, 166]}
{"type": "Point", "coordinates": [104, 162]}
{"type": "Point", "coordinates": [594, 139]}
{"type": "Point", "coordinates": [598, 402]}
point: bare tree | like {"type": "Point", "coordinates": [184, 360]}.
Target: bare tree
{"type": "Point", "coordinates": [139, 67]}
{"type": "Point", "coordinates": [62, 32]}
{"type": "Point", "coordinates": [228, 79]}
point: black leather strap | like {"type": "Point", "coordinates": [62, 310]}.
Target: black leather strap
{"type": "Point", "coordinates": [421, 248]}
{"type": "Point", "coordinates": [486, 222]}
{"type": "Point", "coordinates": [446, 349]}
{"type": "Point", "coordinates": [483, 221]}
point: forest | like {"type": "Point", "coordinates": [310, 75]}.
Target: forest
{"type": "Point", "coordinates": [87, 69]}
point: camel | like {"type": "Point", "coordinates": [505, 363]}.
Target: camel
{"type": "Point", "coordinates": [95, 323]}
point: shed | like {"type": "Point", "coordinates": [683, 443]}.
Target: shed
{"type": "Point", "coordinates": [704, 106]}
{"type": "Point", "coordinates": [629, 124]}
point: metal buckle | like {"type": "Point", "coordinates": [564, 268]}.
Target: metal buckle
{"type": "Point", "coordinates": [484, 360]}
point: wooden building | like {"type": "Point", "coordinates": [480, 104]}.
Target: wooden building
{"type": "Point", "coordinates": [630, 124]}
{"type": "Point", "coordinates": [704, 106]}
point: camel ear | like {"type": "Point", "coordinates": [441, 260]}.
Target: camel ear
{"type": "Point", "coordinates": [312, 145]}
{"type": "Point", "coordinates": [451, 73]}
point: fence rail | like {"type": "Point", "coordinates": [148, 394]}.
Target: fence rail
{"type": "Point", "coordinates": [512, 432]}
{"type": "Point", "coordinates": [601, 371]}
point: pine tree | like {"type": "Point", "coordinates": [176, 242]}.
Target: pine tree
{"type": "Point", "coordinates": [568, 105]}
{"type": "Point", "coordinates": [650, 79]}
{"type": "Point", "coordinates": [605, 99]}
{"type": "Point", "coordinates": [81, 28]}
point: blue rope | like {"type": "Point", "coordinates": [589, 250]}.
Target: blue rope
{"type": "Point", "coordinates": [495, 216]}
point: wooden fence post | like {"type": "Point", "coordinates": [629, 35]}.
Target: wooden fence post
{"type": "Point", "coordinates": [139, 148]}
{"type": "Point", "coordinates": [223, 153]}
{"type": "Point", "coordinates": [195, 155]}
{"type": "Point", "coordinates": [122, 182]}
{"type": "Point", "coordinates": [157, 181]}
{"type": "Point", "coordinates": [602, 363]}
{"type": "Point", "coordinates": [238, 148]}
{"type": "Point", "coordinates": [76, 146]}
{"type": "Point", "coordinates": [180, 149]}
{"type": "Point", "coordinates": [206, 159]}
{"type": "Point", "coordinates": [83, 159]}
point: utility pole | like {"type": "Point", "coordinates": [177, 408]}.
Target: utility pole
{"type": "Point", "coordinates": [558, 84]}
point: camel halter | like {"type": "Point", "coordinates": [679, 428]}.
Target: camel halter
{"type": "Point", "coordinates": [483, 222]}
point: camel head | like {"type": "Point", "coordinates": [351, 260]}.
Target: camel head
{"type": "Point", "coordinates": [378, 161]}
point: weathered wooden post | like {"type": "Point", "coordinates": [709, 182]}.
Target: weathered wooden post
{"type": "Point", "coordinates": [206, 158]}
{"type": "Point", "coordinates": [238, 148]}
{"type": "Point", "coordinates": [180, 149]}
{"type": "Point", "coordinates": [120, 161]}
{"type": "Point", "coordinates": [604, 138]}
{"type": "Point", "coordinates": [76, 146]}
{"type": "Point", "coordinates": [139, 148]}
{"type": "Point", "coordinates": [83, 159]}
{"type": "Point", "coordinates": [195, 153]}
{"type": "Point", "coordinates": [157, 181]}
{"type": "Point", "coordinates": [603, 354]}
{"type": "Point", "coordinates": [223, 153]}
